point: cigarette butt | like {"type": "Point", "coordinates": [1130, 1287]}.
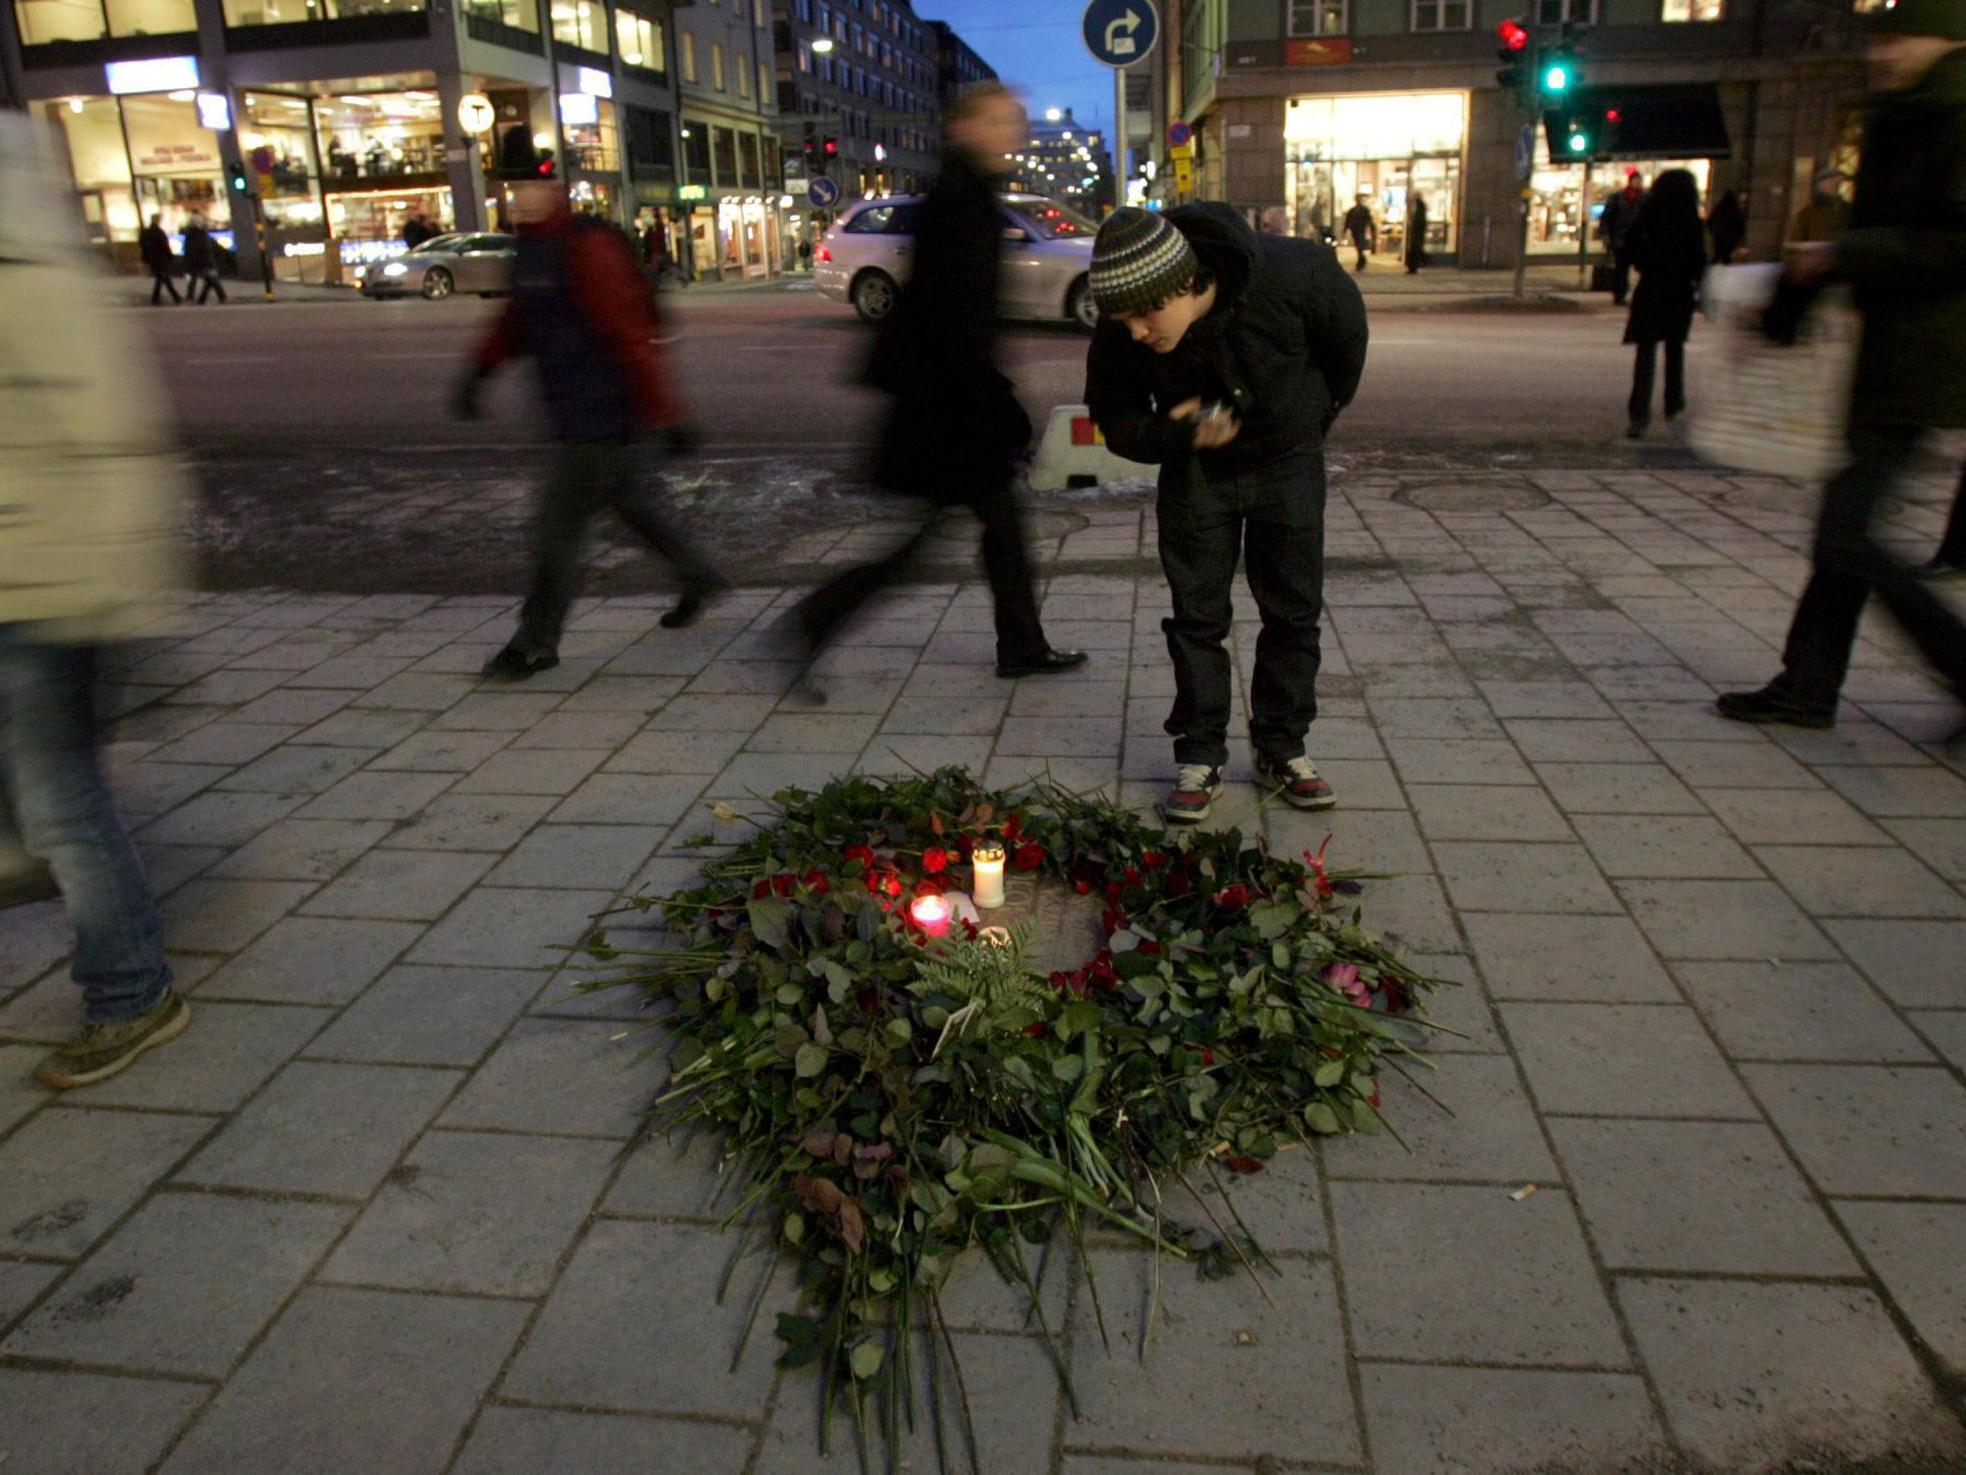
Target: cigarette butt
{"type": "Point", "coordinates": [1523, 1192]}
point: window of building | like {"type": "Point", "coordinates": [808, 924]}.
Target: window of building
{"type": "Point", "coordinates": [747, 160]}
{"type": "Point", "coordinates": [743, 74]}
{"type": "Point", "coordinates": [1445, 15]}
{"type": "Point", "coordinates": [1319, 17]}
{"type": "Point", "coordinates": [595, 148]}
{"type": "Point", "coordinates": [764, 79]}
{"type": "Point", "coordinates": [1695, 10]}
{"type": "Point", "coordinates": [649, 143]}
{"type": "Point", "coordinates": [638, 41]}
{"type": "Point", "coordinates": [717, 65]}
{"type": "Point", "coordinates": [1557, 12]}
{"type": "Point", "coordinates": [760, 14]}
{"type": "Point", "coordinates": [282, 126]}
{"type": "Point", "coordinates": [43, 21]}
{"type": "Point", "coordinates": [286, 12]}
{"type": "Point", "coordinates": [689, 57]}
{"type": "Point", "coordinates": [379, 135]}
{"type": "Point", "coordinates": [521, 15]}
{"type": "Point", "coordinates": [696, 150]}
{"type": "Point", "coordinates": [582, 23]}
{"type": "Point", "coordinates": [151, 17]}
{"type": "Point", "coordinates": [723, 146]}
{"type": "Point", "coordinates": [174, 162]}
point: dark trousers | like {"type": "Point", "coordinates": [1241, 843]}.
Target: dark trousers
{"type": "Point", "coordinates": [1849, 565]}
{"type": "Point", "coordinates": [1644, 368]}
{"type": "Point", "coordinates": [1006, 562]}
{"type": "Point", "coordinates": [1274, 519]}
{"type": "Point", "coordinates": [206, 283]}
{"type": "Point", "coordinates": [1621, 276]}
{"type": "Point", "coordinates": [160, 283]}
{"type": "Point", "coordinates": [588, 476]}
{"type": "Point", "coordinates": [1359, 245]}
{"type": "Point", "coordinates": [1953, 549]}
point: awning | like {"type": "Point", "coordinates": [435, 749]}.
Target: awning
{"type": "Point", "coordinates": [1673, 121]}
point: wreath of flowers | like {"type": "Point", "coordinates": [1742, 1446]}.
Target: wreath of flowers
{"type": "Point", "coordinates": [890, 1099]}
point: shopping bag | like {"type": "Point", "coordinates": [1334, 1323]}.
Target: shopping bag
{"type": "Point", "coordinates": [1758, 406]}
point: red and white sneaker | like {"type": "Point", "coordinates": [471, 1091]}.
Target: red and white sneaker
{"type": "Point", "coordinates": [1296, 781]}
{"type": "Point", "coordinates": [1196, 788]}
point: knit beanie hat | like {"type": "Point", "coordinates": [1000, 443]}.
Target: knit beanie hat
{"type": "Point", "coordinates": [1139, 261]}
{"type": "Point", "coordinates": [1945, 18]}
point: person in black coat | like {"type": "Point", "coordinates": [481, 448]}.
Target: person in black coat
{"type": "Point", "coordinates": [955, 428]}
{"type": "Point", "coordinates": [1225, 356]}
{"type": "Point", "coordinates": [1363, 230]}
{"type": "Point", "coordinates": [155, 248]}
{"type": "Point", "coordinates": [1727, 224]}
{"type": "Point", "coordinates": [1416, 234]}
{"type": "Point", "coordinates": [200, 263]}
{"type": "Point", "coordinates": [1668, 250]}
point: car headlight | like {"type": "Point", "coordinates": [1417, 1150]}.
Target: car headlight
{"type": "Point", "coordinates": [395, 269]}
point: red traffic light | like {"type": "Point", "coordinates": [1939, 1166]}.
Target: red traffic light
{"type": "Point", "coordinates": [1512, 36]}
{"type": "Point", "coordinates": [832, 147]}
{"type": "Point", "coordinates": [1612, 115]}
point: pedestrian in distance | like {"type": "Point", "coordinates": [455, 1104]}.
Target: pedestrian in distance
{"type": "Point", "coordinates": [1416, 235]}
{"type": "Point", "coordinates": [805, 254]}
{"type": "Point", "coordinates": [155, 248]}
{"type": "Point", "coordinates": [1614, 226]}
{"type": "Point", "coordinates": [1667, 247]}
{"type": "Point", "coordinates": [581, 310]}
{"type": "Point", "coordinates": [94, 495]}
{"type": "Point", "coordinates": [1827, 215]}
{"type": "Point", "coordinates": [201, 263]}
{"type": "Point", "coordinates": [1362, 228]}
{"type": "Point", "coordinates": [1224, 357]}
{"type": "Point", "coordinates": [1727, 227]}
{"type": "Point", "coordinates": [1950, 561]}
{"type": "Point", "coordinates": [954, 427]}
{"type": "Point", "coordinates": [417, 231]}
{"type": "Point", "coordinates": [1904, 257]}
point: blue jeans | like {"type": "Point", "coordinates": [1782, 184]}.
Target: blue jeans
{"type": "Point", "coordinates": [58, 801]}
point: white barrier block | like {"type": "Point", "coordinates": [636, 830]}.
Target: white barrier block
{"type": "Point", "coordinates": [1073, 450]}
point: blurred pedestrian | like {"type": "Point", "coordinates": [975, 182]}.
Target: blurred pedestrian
{"type": "Point", "coordinates": [1416, 235]}
{"type": "Point", "coordinates": [1362, 228]}
{"type": "Point", "coordinates": [155, 249]}
{"type": "Point", "coordinates": [954, 427]}
{"type": "Point", "coordinates": [417, 231]}
{"type": "Point", "coordinates": [1827, 215]}
{"type": "Point", "coordinates": [805, 254]}
{"type": "Point", "coordinates": [1903, 257]}
{"type": "Point", "coordinates": [1225, 357]}
{"type": "Point", "coordinates": [581, 310]}
{"type": "Point", "coordinates": [1669, 251]}
{"type": "Point", "coordinates": [200, 263]}
{"type": "Point", "coordinates": [1727, 225]}
{"type": "Point", "coordinates": [1614, 226]}
{"type": "Point", "coordinates": [1950, 561]}
{"type": "Point", "coordinates": [93, 495]}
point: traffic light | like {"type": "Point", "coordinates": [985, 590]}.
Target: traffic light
{"type": "Point", "coordinates": [809, 150]}
{"type": "Point", "coordinates": [544, 168]}
{"type": "Point", "coordinates": [830, 150]}
{"type": "Point", "coordinates": [239, 178]}
{"type": "Point", "coordinates": [1558, 73]}
{"type": "Point", "coordinates": [1512, 50]}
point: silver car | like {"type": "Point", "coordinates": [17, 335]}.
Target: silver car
{"type": "Point", "coordinates": [1047, 252]}
{"type": "Point", "coordinates": [463, 261]}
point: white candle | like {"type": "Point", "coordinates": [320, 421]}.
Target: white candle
{"type": "Point", "coordinates": [987, 860]}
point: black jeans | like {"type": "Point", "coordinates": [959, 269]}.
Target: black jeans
{"type": "Point", "coordinates": [1644, 367]}
{"type": "Point", "coordinates": [1274, 518]}
{"type": "Point", "coordinates": [206, 282]}
{"type": "Point", "coordinates": [1358, 245]}
{"type": "Point", "coordinates": [160, 283]}
{"type": "Point", "coordinates": [1006, 562]}
{"type": "Point", "coordinates": [1849, 565]}
{"type": "Point", "coordinates": [586, 477]}
{"type": "Point", "coordinates": [1953, 549]}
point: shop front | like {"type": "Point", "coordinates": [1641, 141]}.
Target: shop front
{"type": "Point", "coordinates": [138, 156]}
{"type": "Point", "coordinates": [382, 162]}
{"type": "Point", "coordinates": [1631, 130]}
{"type": "Point", "coordinates": [1566, 199]}
{"type": "Point", "coordinates": [743, 237]}
{"type": "Point", "coordinates": [1384, 149]}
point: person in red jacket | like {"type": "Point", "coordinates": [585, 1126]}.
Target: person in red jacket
{"type": "Point", "coordinates": [581, 310]}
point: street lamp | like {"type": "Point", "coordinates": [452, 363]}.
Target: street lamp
{"type": "Point", "coordinates": [1053, 115]}
{"type": "Point", "coordinates": [823, 46]}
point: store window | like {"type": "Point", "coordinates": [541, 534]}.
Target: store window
{"type": "Point", "coordinates": [638, 41]}
{"type": "Point", "coordinates": [287, 12]}
{"type": "Point", "coordinates": [45, 21]}
{"type": "Point", "coordinates": [1319, 17]}
{"type": "Point", "coordinates": [1379, 150]}
{"type": "Point", "coordinates": [1694, 10]}
{"type": "Point", "coordinates": [689, 57]}
{"type": "Point", "coordinates": [1443, 15]}
{"type": "Point", "coordinates": [275, 129]}
{"type": "Point", "coordinates": [93, 129]}
{"type": "Point", "coordinates": [723, 143]}
{"type": "Point", "coordinates": [717, 66]}
{"type": "Point", "coordinates": [1567, 200]}
{"type": "Point", "coordinates": [581, 23]}
{"type": "Point", "coordinates": [696, 152]}
{"type": "Point", "coordinates": [380, 135]}
{"type": "Point", "coordinates": [1562, 12]}
{"type": "Point", "coordinates": [174, 163]}
{"type": "Point", "coordinates": [151, 17]}
{"type": "Point", "coordinates": [595, 148]}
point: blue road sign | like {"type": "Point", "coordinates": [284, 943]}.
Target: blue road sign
{"type": "Point", "coordinates": [1120, 32]}
{"type": "Point", "coordinates": [823, 192]}
{"type": "Point", "coordinates": [1525, 152]}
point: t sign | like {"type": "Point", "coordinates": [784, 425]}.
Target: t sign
{"type": "Point", "coordinates": [1120, 32]}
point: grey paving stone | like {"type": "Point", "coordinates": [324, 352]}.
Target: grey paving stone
{"type": "Point", "coordinates": [419, 691]}
{"type": "Point", "coordinates": [1544, 699]}
{"type": "Point", "coordinates": [1491, 1136]}
{"type": "Point", "coordinates": [1940, 843]}
{"type": "Point", "coordinates": [1460, 1003]}
{"type": "Point", "coordinates": [1623, 1060]}
{"type": "Point", "coordinates": [536, 771]}
{"type": "Point", "coordinates": [1865, 1129]}
{"type": "Point", "coordinates": [219, 819]}
{"type": "Point", "coordinates": [1723, 920]}
{"type": "Point", "coordinates": [1360, 783]}
{"type": "Point", "coordinates": [1373, 841]}
{"type": "Point", "coordinates": [1485, 877]}
{"type": "Point", "coordinates": [1411, 912]}
{"type": "Point", "coordinates": [1449, 1296]}
{"type": "Point", "coordinates": [370, 795]}
{"type": "Point", "coordinates": [937, 717]}
{"type": "Point", "coordinates": [1585, 741]}
{"type": "Point", "coordinates": [1946, 1029]}
{"type": "Point", "coordinates": [1458, 761]}
{"type": "Point", "coordinates": [311, 960]}
{"type": "Point", "coordinates": [32, 940]}
{"type": "Point", "coordinates": [1719, 1197]}
{"type": "Point", "coordinates": [1428, 1420]}
{"type": "Point", "coordinates": [1669, 846]}
{"type": "Point", "coordinates": [144, 789]}
{"type": "Point", "coordinates": [223, 916]}
{"type": "Point", "coordinates": [322, 1127]}
{"type": "Point", "coordinates": [470, 822]}
{"type": "Point", "coordinates": [498, 711]}
{"type": "Point", "coordinates": [1901, 793]}
{"type": "Point", "coordinates": [226, 1054]}
{"type": "Point", "coordinates": [20, 1282]}
{"type": "Point", "coordinates": [527, 1441]}
{"type": "Point", "coordinates": [415, 1366]}
{"type": "Point", "coordinates": [1278, 1364]}
{"type": "Point", "coordinates": [296, 770]}
{"type": "Point", "coordinates": [472, 1212]}
{"type": "Point", "coordinates": [1735, 765]}
{"type": "Point", "coordinates": [70, 1174]}
{"type": "Point", "coordinates": [1916, 964]}
{"type": "Point", "coordinates": [1480, 812]}
{"type": "Point", "coordinates": [591, 1346]}
{"type": "Point", "coordinates": [1792, 816]}
{"type": "Point", "coordinates": [293, 706]}
{"type": "Point", "coordinates": [301, 850]}
{"type": "Point", "coordinates": [429, 1016]}
{"type": "Point", "coordinates": [681, 1177]}
{"type": "Point", "coordinates": [441, 751]}
{"type": "Point", "coordinates": [1596, 959]}
{"type": "Point", "coordinates": [504, 927]}
{"type": "Point", "coordinates": [1914, 1249]}
{"type": "Point", "coordinates": [1422, 717]}
{"type": "Point", "coordinates": [1851, 882]}
{"type": "Point", "coordinates": [57, 1423]}
{"type": "Point", "coordinates": [663, 751]}
{"type": "Point", "coordinates": [183, 1287]}
{"type": "Point", "coordinates": [560, 1076]}
{"type": "Point", "coordinates": [603, 857]}
{"type": "Point", "coordinates": [1617, 788]}
{"type": "Point", "coordinates": [710, 712]}
{"type": "Point", "coordinates": [902, 755]}
{"type": "Point", "coordinates": [408, 885]}
{"type": "Point", "coordinates": [227, 743]}
{"type": "Point", "coordinates": [764, 774]}
{"type": "Point", "coordinates": [1753, 1376]}
{"type": "Point", "coordinates": [1797, 1011]}
{"type": "Point", "coordinates": [652, 800]}
{"type": "Point", "coordinates": [362, 728]}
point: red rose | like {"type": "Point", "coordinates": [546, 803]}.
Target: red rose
{"type": "Point", "coordinates": [1035, 1028]}
{"type": "Point", "coordinates": [1133, 875]}
{"type": "Point", "coordinates": [1113, 892]}
{"type": "Point", "coordinates": [1232, 898]}
{"type": "Point", "coordinates": [862, 853]}
{"type": "Point", "coordinates": [1207, 1056]}
{"type": "Point", "coordinates": [1373, 1101]}
{"type": "Point", "coordinates": [935, 860]}
{"type": "Point", "coordinates": [1013, 827]}
{"type": "Point", "coordinates": [782, 885]}
{"type": "Point", "coordinates": [1153, 860]}
{"type": "Point", "coordinates": [1243, 1164]}
{"type": "Point", "coordinates": [760, 891]}
{"type": "Point", "coordinates": [1150, 948]}
{"type": "Point", "coordinates": [892, 886]}
{"type": "Point", "coordinates": [1029, 856]}
{"type": "Point", "coordinates": [970, 929]}
{"type": "Point", "coordinates": [815, 881]}
{"type": "Point", "coordinates": [930, 886]}
{"type": "Point", "coordinates": [1084, 888]}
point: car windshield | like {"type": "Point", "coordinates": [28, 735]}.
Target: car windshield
{"type": "Point", "coordinates": [442, 245]}
{"type": "Point", "coordinates": [1055, 222]}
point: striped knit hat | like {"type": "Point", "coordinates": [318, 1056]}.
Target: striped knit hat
{"type": "Point", "coordinates": [1139, 261]}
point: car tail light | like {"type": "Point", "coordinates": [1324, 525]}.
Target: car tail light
{"type": "Point", "coordinates": [1084, 432]}
{"type": "Point", "coordinates": [822, 254]}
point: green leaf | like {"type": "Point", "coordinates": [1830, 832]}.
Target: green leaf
{"type": "Point", "coordinates": [804, 1339]}
{"type": "Point", "coordinates": [795, 1228]}
{"type": "Point", "coordinates": [810, 1061]}
{"type": "Point", "coordinates": [1124, 941]}
{"type": "Point", "coordinates": [900, 1030]}
{"type": "Point", "coordinates": [1274, 918]}
{"type": "Point", "coordinates": [1321, 1118]}
{"type": "Point", "coordinates": [1067, 1067]}
{"type": "Point", "coordinates": [1329, 1074]}
{"type": "Point", "coordinates": [771, 921]}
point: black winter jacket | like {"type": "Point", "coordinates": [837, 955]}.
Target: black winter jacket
{"type": "Point", "coordinates": [1670, 265]}
{"type": "Point", "coordinates": [1285, 345]}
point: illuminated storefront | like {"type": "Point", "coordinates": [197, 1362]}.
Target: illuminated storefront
{"type": "Point", "coordinates": [382, 157]}
{"type": "Point", "coordinates": [139, 156]}
{"type": "Point", "coordinates": [1384, 146]}
{"type": "Point", "coordinates": [1558, 192]}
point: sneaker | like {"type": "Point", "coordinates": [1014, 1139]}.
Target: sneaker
{"type": "Point", "coordinates": [1772, 704]}
{"type": "Point", "coordinates": [1196, 788]}
{"type": "Point", "coordinates": [101, 1050]}
{"type": "Point", "coordinates": [1296, 781]}
{"type": "Point", "coordinates": [514, 664]}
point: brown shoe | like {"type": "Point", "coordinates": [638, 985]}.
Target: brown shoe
{"type": "Point", "coordinates": [103, 1049]}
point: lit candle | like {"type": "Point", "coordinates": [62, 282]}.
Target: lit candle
{"type": "Point", "coordinates": [931, 914]}
{"type": "Point", "coordinates": [987, 859]}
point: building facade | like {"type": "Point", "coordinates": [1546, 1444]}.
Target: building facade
{"type": "Point", "coordinates": [1066, 161]}
{"type": "Point", "coordinates": [865, 74]}
{"type": "Point", "coordinates": [731, 180]}
{"type": "Point", "coordinates": [1301, 108]}
{"type": "Point", "coordinates": [957, 66]}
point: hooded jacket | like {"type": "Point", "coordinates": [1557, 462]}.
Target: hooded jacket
{"type": "Point", "coordinates": [1284, 345]}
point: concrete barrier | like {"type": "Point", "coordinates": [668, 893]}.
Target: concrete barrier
{"type": "Point", "coordinates": [1072, 453]}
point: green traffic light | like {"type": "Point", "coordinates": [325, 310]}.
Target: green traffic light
{"type": "Point", "coordinates": [1579, 144]}
{"type": "Point", "coordinates": [1556, 79]}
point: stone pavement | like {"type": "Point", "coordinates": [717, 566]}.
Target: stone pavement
{"type": "Point", "coordinates": [373, 1213]}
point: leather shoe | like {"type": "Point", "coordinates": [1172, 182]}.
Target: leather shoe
{"type": "Point", "coordinates": [1047, 662]}
{"type": "Point", "coordinates": [1772, 704]}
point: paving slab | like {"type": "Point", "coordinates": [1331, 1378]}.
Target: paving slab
{"type": "Point", "coordinates": [56, 1423]}
{"type": "Point", "coordinates": [563, 1076]}
{"type": "Point", "coordinates": [71, 1173]}
{"type": "Point", "coordinates": [1595, 959]}
{"type": "Point", "coordinates": [527, 1441]}
{"type": "Point", "coordinates": [1623, 1060]}
{"type": "Point", "coordinates": [1797, 1011]}
{"type": "Point", "coordinates": [1914, 1250]}
{"type": "Point", "coordinates": [311, 960]}
{"type": "Point", "coordinates": [1867, 1129]}
{"type": "Point", "coordinates": [1492, 1135]}
{"type": "Point", "coordinates": [227, 1053]}
{"type": "Point", "coordinates": [404, 885]}
{"type": "Point", "coordinates": [1431, 1420]}
{"type": "Point", "coordinates": [429, 1016]}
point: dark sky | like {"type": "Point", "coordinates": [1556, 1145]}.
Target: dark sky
{"type": "Point", "coordinates": [1035, 46]}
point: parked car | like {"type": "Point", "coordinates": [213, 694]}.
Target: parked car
{"type": "Point", "coordinates": [459, 262]}
{"type": "Point", "coordinates": [1047, 253]}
